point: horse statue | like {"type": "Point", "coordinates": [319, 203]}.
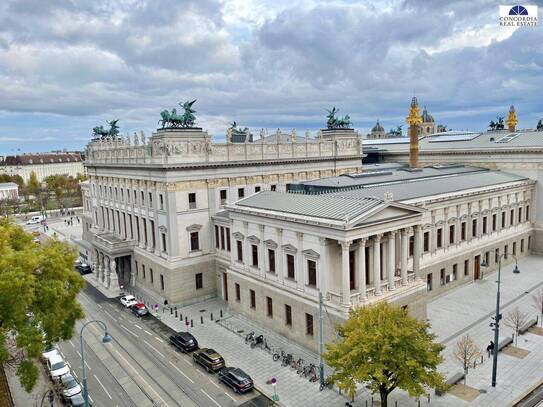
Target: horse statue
{"type": "Point", "coordinates": [188, 116]}
{"type": "Point", "coordinates": [334, 122]}
{"type": "Point", "coordinates": [492, 125]}
{"type": "Point", "coordinates": [99, 133]}
{"type": "Point", "coordinates": [172, 119]}
{"type": "Point", "coordinates": [500, 125]}
{"type": "Point", "coordinates": [539, 125]}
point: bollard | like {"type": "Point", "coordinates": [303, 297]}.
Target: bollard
{"type": "Point", "coordinates": [201, 319]}
{"type": "Point", "coordinates": [181, 317]}
{"type": "Point", "coordinates": [481, 358]}
{"type": "Point", "coordinates": [428, 398]}
{"type": "Point", "coordinates": [212, 316]}
{"type": "Point", "coordinates": [366, 403]}
{"type": "Point", "coordinates": [171, 311]}
{"type": "Point", "coordinates": [176, 308]}
{"type": "Point", "coordinates": [418, 402]}
{"type": "Point", "coordinates": [176, 313]}
{"type": "Point", "coordinates": [163, 310]}
{"type": "Point", "coordinates": [186, 319]}
{"type": "Point", "coordinates": [221, 312]}
{"type": "Point", "coordinates": [191, 324]}
{"type": "Point", "coordinates": [474, 364]}
{"type": "Point", "coordinates": [396, 404]}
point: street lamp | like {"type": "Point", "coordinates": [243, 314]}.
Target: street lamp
{"type": "Point", "coordinates": [496, 323]}
{"type": "Point", "coordinates": [106, 339]}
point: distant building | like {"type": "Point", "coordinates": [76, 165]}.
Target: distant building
{"type": "Point", "coordinates": [9, 190]}
{"type": "Point", "coordinates": [42, 164]}
{"type": "Point", "coordinates": [428, 125]}
{"type": "Point", "coordinates": [377, 132]}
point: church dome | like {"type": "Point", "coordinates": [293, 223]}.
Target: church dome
{"type": "Point", "coordinates": [377, 127]}
{"type": "Point", "coordinates": [427, 117]}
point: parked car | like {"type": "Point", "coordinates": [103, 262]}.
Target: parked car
{"type": "Point", "coordinates": [128, 300]}
{"type": "Point", "coordinates": [76, 401]}
{"type": "Point", "coordinates": [236, 379]}
{"type": "Point", "coordinates": [184, 342]}
{"type": "Point", "coordinates": [57, 367]}
{"type": "Point", "coordinates": [139, 309]}
{"type": "Point", "coordinates": [35, 219]}
{"type": "Point", "coordinates": [70, 386]}
{"type": "Point", "coordinates": [83, 268]}
{"type": "Point", "coordinates": [48, 352]}
{"type": "Point", "coordinates": [209, 359]}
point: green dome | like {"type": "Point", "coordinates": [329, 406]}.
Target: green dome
{"type": "Point", "coordinates": [377, 127]}
{"type": "Point", "coordinates": [427, 117]}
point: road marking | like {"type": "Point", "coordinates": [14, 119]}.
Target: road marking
{"type": "Point", "coordinates": [71, 343]}
{"type": "Point", "coordinates": [201, 373]}
{"type": "Point", "coordinates": [158, 339]}
{"type": "Point", "coordinates": [215, 384]}
{"type": "Point", "coordinates": [186, 361]}
{"type": "Point", "coordinates": [90, 398]}
{"type": "Point", "coordinates": [147, 332]}
{"type": "Point", "coordinates": [75, 374]}
{"type": "Point", "coordinates": [103, 387]}
{"type": "Point", "coordinates": [211, 398]}
{"type": "Point", "coordinates": [155, 349]}
{"type": "Point", "coordinates": [99, 306]}
{"type": "Point", "coordinates": [137, 326]}
{"type": "Point", "coordinates": [111, 316]}
{"type": "Point", "coordinates": [129, 331]}
{"type": "Point", "coordinates": [179, 370]}
{"type": "Point", "coordinates": [232, 398]}
{"type": "Point", "coordinates": [64, 357]}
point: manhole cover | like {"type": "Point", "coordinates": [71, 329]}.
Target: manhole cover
{"type": "Point", "coordinates": [202, 310]}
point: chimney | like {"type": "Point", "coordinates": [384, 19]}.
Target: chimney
{"type": "Point", "coordinates": [512, 119]}
{"type": "Point", "coordinates": [414, 120]}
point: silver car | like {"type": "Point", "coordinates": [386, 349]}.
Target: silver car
{"type": "Point", "coordinates": [70, 386]}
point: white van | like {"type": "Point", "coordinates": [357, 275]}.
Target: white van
{"type": "Point", "coordinates": [35, 219]}
{"type": "Point", "coordinates": [57, 367]}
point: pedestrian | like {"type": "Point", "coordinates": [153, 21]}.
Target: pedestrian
{"type": "Point", "coordinates": [490, 349]}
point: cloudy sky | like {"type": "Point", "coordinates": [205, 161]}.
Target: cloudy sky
{"type": "Point", "coordinates": [69, 65]}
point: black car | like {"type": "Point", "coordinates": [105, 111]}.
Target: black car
{"type": "Point", "coordinates": [184, 342]}
{"type": "Point", "coordinates": [83, 268]}
{"type": "Point", "coordinates": [139, 310]}
{"type": "Point", "coordinates": [209, 359]}
{"type": "Point", "coordinates": [236, 379]}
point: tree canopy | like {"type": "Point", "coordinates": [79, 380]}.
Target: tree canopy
{"type": "Point", "coordinates": [38, 306]}
{"type": "Point", "coordinates": [383, 348]}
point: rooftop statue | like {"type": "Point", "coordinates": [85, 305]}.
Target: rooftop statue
{"type": "Point", "coordinates": [397, 132]}
{"type": "Point", "coordinates": [539, 125]}
{"type": "Point", "coordinates": [334, 122]}
{"type": "Point", "coordinates": [99, 133]}
{"type": "Point", "coordinates": [172, 119]}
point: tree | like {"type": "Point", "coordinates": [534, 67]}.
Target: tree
{"type": "Point", "coordinates": [383, 348]}
{"type": "Point", "coordinates": [38, 306]}
{"type": "Point", "coordinates": [515, 319]}
{"type": "Point", "coordinates": [538, 303]}
{"type": "Point", "coordinates": [466, 351]}
{"type": "Point", "coordinates": [33, 184]}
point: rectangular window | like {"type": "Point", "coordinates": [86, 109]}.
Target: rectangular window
{"type": "Point", "coordinates": [505, 250]}
{"type": "Point", "coordinates": [131, 226]}
{"type": "Point", "coordinates": [429, 282]}
{"type": "Point", "coordinates": [514, 248]}
{"type": "Point", "coordinates": [522, 245]}
{"type": "Point", "coordinates": [164, 248]}
{"type": "Point", "coordinates": [162, 282]}
{"type": "Point", "coordinates": [288, 315]}
{"type": "Point", "coordinates": [127, 195]}
{"type": "Point", "coordinates": [309, 324]}
{"type": "Point", "coordinates": [143, 270]}
{"type": "Point", "coordinates": [240, 250]}
{"type": "Point", "coordinates": [257, 189]}
{"type": "Point", "coordinates": [512, 217]}
{"type": "Point", "coordinates": [269, 307]}
{"type": "Point", "coordinates": [199, 277]}
{"type": "Point", "coordinates": [153, 237]}
{"type": "Point", "coordinates": [487, 257]}
{"type": "Point", "coordinates": [503, 219]}
{"type": "Point", "coordinates": [273, 187]}
{"type": "Point", "coordinates": [455, 272]}
{"type": "Point", "coordinates": [223, 196]}
{"type": "Point", "coordinates": [145, 231]}
{"type": "Point", "coordinates": [223, 246]}
{"type": "Point", "coordinates": [238, 292]}
{"type": "Point", "coordinates": [411, 245]}
{"type": "Point", "coordinates": [311, 273]}
{"type": "Point", "coordinates": [216, 236]}
{"type": "Point", "coordinates": [252, 295]}
{"type": "Point", "coordinates": [496, 256]}
{"type": "Point", "coordinates": [254, 253]}
{"type": "Point", "coordinates": [451, 234]}
{"type": "Point", "coordinates": [463, 231]}
{"type": "Point", "coordinates": [466, 267]}
{"type": "Point", "coordinates": [271, 260]}
{"type": "Point", "coordinates": [290, 266]}
{"type": "Point", "coordinates": [150, 199]}
{"type": "Point", "coordinates": [484, 225]}
{"type": "Point", "coordinates": [142, 198]}
{"type": "Point", "coordinates": [122, 194]}
{"type": "Point", "coordinates": [152, 275]}
{"type": "Point", "coordinates": [161, 200]}
{"type": "Point", "coordinates": [474, 228]}
{"type": "Point", "coordinates": [138, 228]}
{"type": "Point", "coordinates": [241, 193]}
{"type": "Point", "coordinates": [194, 241]}
{"type": "Point", "coordinates": [439, 239]}
{"type": "Point", "coordinates": [442, 277]}
{"type": "Point", "coordinates": [494, 222]}
{"type": "Point", "coordinates": [519, 215]}
{"type": "Point", "coordinates": [228, 239]}
{"type": "Point", "coordinates": [192, 200]}
{"type": "Point", "coordinates": [426, 245]}
{"type": "Point", "coordinates": [527, 213]}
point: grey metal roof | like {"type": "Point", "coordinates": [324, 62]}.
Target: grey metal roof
{"type": "Point", "coordinates": [222, 214]}
{"type": "Point", "coordinates": [417, 188]}
{"type": "Point", "coordinates": [319, 206]}
{"type": "Point", "coordinates": [485, 141]}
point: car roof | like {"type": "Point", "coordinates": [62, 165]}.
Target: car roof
{"type": "Point", "coordinates": [185, 335]}
{"type": "Point", "coordinates": [140, 305]}
{"type": "Point", "coordinates": [239, 374]}
{"type": "Point", "coordinates": [129, 297]}
{"type": "Point", "coordinates": [211, 352]}
{"type": "Point", "coordinates": [67, 377]}
{"type": "Point", "coordinates": [55, 359]}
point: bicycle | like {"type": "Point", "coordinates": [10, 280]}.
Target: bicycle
{"type": "Point", "coordinates": [266, 347]}
{"type": "Point", "coordinates": [257, 340]}
{"type": "Point", "coordinates": [278, 355]}
{"type": "Point", "coordinates": [249, 337]}
{"type": "Point", "coordinates": [296, 364]}
{"type": "Point", "coordinates": [286, 359]}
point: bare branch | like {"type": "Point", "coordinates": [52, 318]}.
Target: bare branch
{"type": "Point", "coordinates": [516, 319]}
{"type": "Point", "coordinates": [466, 352]}
{"type": "Point", "coordinates": [537, 299]}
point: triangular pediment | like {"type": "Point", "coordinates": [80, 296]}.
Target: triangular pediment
{"type": "Point", "coordinates": [387, 212]}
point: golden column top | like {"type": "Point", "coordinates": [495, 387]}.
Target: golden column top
{"type": "Point", "coordinates": [512, 118]}
{"type": "Point", "coordinates": [414, 118]}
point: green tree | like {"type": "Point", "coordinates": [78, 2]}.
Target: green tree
{"type": "Point", "coordinates": [38, 306]}
{"type": "Point", "coordinates": [383, 348]}
{"type": "Point", "coordinates": [33, 184]}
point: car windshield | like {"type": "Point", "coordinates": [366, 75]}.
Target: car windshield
{"type": "Point", "coordinates": [71, 383]}
{"type": "Point", "coordinates": [58, 365]}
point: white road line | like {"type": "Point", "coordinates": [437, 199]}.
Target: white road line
{"type": "Point", "coordinates": [155, 349]}
{"type": "Point", "coordinates": [71, 343]}
{"type": "Point", "coordinates": [158, 339]}
{"type": "Point", "coordinates": [129, 331]}
{"type": "Point", "coordinates": [86, 364]}
{"type": "Point", "coordinates": [78, 353]}
{"type": "Point", "coordinates": [211, 398]}
{"type": "Point", "coordinates": [215, 384]}
{"type": "Point", "coordinates": [141, 378]}
{"type": "Point", "coordinates": [64, 357]}
{"type": "Point", "coordinates": [137, 326]}
{"type": "Point", "coordinates": [179, 370]}
{"type": "Point", "coordinates": [201, 373]}
{"type": "Point", "coordinates": [99, 306]}
{"type": "Point", "coordinates": [75, 374]}
{"type": "Point", "coordinates": [91, 400]}
{"type": "Point", "coordinates": [186, 361]}
{"type": "Point", "coordinates": [147, 332]}
{"type": "Point", "coordinates": [103, 387]}
{"type": "Point", "coordinates": [111, 316]}
{"type": "Point", "coordinates": [232, 398]}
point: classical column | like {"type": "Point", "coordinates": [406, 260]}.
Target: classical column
{"type": "Point", "coordinates": [299, 269]}
{"type": "Point", "coordinates": [98, 267]}
{"type": "Point", "coordinates": [279, 256]}
{"type": "Point", "coordinates": [404, 255]}
{"type": "Point", "coordinates": [445, 234]}
{"type": "Point", "coordinates": [417, 251]}
{"type": "Point", "coordinates": [262, 252]}
{"type": "Point", "coordinates": [345, 281]}
{"type": "Point", "coordinates": [106, 271]}
{"type": "Point", "coordinates": [322, 266]}
{"type": "Point", "coordinates": [362, 269]}
{"type": "Point", "coordinates": [113, 281]}
{"type": "Point", "coordinates": [377, 264]}
{"type": "Point", "coordinates": [391, 254]}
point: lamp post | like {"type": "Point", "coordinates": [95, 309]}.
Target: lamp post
{"type": "Point", "coordinates": [497, 317]}
{"type": "Point", "coordinates": [106, 339]}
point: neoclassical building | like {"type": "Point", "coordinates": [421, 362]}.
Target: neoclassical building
{"type": "Point", "coordinates": [43, 165]}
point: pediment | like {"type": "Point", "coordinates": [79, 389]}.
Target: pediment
{"type": "Point", "coordinates": [238, 236]}
{"type": "Point", "coordinates": [311, 254]}
{"type": "Point", "coordinates": [386, 212]}
{"type": "Point", "coordinates": [253, 239]}
{"type": "Point", "coordinates": [288, 248]}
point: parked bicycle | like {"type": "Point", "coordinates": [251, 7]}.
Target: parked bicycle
{"type": "Point", "coordinates": [278, 355]}
{"type": "Point", "coordinates": [286, 359]}
{"type": "Point", "coordinates": [249, 337]}
{"type": "Point", "coordinates": [257, 340]}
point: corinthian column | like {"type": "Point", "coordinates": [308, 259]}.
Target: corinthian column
{"type": "Point", "coordinates": [404, 255]}
{"type": "Point", "coordinates": [345, 281]}
{"type": "Point", "coordinates": [362, 269]}
{"type": "Point", "coordinates": [416, 252]}
{"type": "Point", "coordinates": [377, 264]}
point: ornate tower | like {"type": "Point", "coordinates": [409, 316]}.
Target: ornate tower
{"type": "Point", "coordinates": [414, 120]}
{"type": "Point", "coordinates": [512, 119]}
